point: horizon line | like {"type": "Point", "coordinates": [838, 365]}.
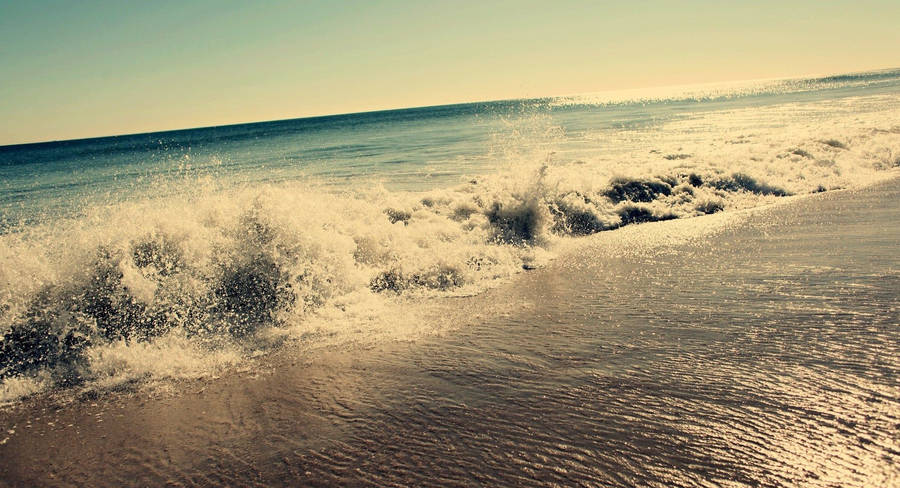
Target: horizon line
{"type": "Point", "coordinates": [438, 105]}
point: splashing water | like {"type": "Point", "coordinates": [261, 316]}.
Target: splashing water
{"type": "Point", "coordinates": [179, 272]}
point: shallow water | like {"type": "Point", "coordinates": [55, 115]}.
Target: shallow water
{"type": "Point", "coordinates": [754, 349]}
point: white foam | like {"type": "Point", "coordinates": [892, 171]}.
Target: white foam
{"type": "Point", "coordinates": [231, 271]}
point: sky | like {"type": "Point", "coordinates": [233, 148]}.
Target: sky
{"type": "Point", "coordinates": [95, 68]}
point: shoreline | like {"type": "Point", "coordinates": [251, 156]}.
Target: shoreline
{"type": "Point", "coordinates": [305, 406]}
{"type": "Point", "coordinates": [697, 228]}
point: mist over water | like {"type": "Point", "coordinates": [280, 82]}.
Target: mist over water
{"type": "Point", "coordinates": [180, 254]}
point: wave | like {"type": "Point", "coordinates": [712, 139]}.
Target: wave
{"type": "Point", "coordinates": [212, 276]}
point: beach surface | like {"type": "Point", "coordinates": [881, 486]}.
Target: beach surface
{"type": "Point", "coordinates": [754, 348]}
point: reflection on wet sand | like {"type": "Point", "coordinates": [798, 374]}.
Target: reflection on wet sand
{"type": "Point", "coordinates": [763, 354]}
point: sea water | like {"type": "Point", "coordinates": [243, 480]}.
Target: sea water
{"type": "Point", "coordinates": [182, 254]}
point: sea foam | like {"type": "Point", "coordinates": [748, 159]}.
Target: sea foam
{"type": "Point", "coordinates": [184, 285]}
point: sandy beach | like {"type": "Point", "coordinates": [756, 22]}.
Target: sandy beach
{"type": "Point", "coordinates": [655, 355]}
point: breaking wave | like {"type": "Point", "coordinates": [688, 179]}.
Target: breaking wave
{"type": "Point", "coordinates": [168, 287]}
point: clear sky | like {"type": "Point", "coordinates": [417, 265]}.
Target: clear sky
{"type": "Point", "coordinates": [77, 69]}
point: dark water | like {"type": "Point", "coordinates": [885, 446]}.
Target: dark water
{"type": "Point", "coordinates": [764, 354]}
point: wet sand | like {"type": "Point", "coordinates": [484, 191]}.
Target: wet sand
{"type": "Point", "coordinates": [762, 352]}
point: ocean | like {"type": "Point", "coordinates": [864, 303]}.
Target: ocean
{"type": "Point", "coordinates": [689, 286]}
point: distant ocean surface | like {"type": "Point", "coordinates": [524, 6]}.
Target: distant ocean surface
{"type": "Point", "coordinates": [500, 243]}
{"type": "Point", "coordinates": [408, 149]}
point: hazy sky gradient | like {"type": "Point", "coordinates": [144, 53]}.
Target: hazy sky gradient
{"type": "Point", "coordinates": [80, 69]}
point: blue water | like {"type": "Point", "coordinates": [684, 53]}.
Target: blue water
{"type": "Point", "coordinates": [406, 149]}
